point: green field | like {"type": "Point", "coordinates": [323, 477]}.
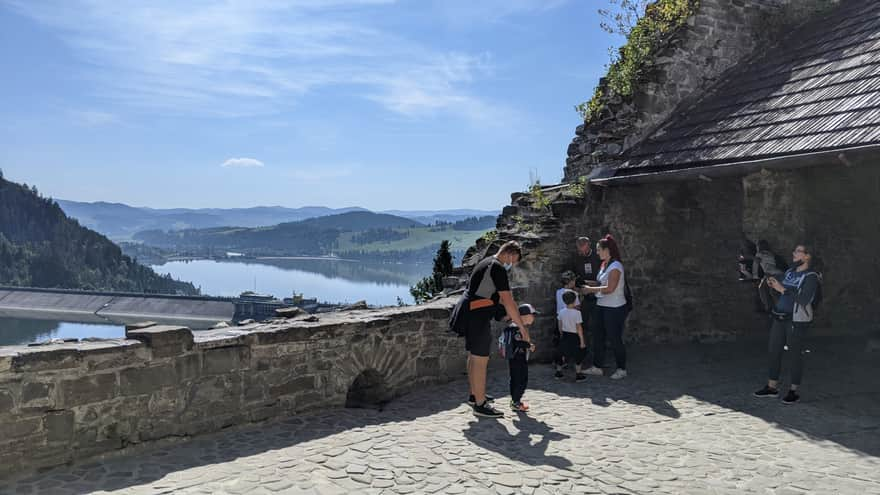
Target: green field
{"type": "Point", "coordinates": [419, 238]}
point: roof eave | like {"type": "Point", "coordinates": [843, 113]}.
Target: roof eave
{"type": "Point", "coordinates": [844, 156]}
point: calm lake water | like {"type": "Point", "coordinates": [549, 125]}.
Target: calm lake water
{"type": "Point", "coordinates": [15, 331]}
{"type": "Point", "coordinates": [379, 284]}
{"type": "Point", "coordinates": [332, 281]}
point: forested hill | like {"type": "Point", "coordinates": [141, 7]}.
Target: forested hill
{"type": "Point", "coordinates": [316, 236]}
{"type": "Point", "coordinates": [41, 247]}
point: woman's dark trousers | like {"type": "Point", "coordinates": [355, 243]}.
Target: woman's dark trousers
{"type": "Point", "coordinates": [519, 376]}
{"type": "Point", "coordinates": [608, 324]}
{"type": "Point", "coordinates": [787, 333]}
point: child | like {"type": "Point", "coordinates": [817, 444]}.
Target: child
{"type": "Point", "coordinates": [767, 265]}
{"type": "Point", "coordinates": [571, 332]}
{"type": "Point", "coordinates": [766, 262]}
{"type": "Point", "coordinates": [516, 351]}
{"type": "Point", "coordinates": [569, 281]}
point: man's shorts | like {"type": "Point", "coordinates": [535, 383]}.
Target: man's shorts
{"type": "Point", "coordinates": [478, 337]}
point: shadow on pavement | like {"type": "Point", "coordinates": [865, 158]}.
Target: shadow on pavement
{"type": "Point", "coordinates": [493, 435]}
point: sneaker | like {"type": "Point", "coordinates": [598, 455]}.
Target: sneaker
{"type": "Point", "coordinates": [619, 374]}
{"type": "Point", "coordinates": [580, 377]}
{"type": "Point", "coordinates": [558, 375]}
{"type": "Point", "coordinates": [486, 410]}
{"type": "Point", "coordinates": [766, 392]}
{"type": "Point", "coordinates": [472, 401]}
{"type": "Point", "coordinates": [518, 406]}
{"type": "Point", "coordinates": [592, 370]}
{"type": "Point", "coordinates": [791, 397]}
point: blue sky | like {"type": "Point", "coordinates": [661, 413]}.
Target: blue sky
{"type": "Point", "coordinates": [409, 104]}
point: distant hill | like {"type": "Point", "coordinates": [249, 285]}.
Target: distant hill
{"type": "Point", "coordinates": [41, 247]}
{"type": "Point", "coordinates": [315, 236]}
{"type": "Point", "coordinates": [120, 222]}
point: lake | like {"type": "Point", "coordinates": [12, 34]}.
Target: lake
{"type": "Point", "coordinates": [15, 330]}
{"type": "Point", "coordinates": [329, 280]}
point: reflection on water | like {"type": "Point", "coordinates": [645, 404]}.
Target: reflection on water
{"type": "Point", "coordinates": [328, 280]}
{"type": "Point", "coordinates": [15, 331]}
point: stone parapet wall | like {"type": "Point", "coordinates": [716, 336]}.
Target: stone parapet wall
{"type": "Point", "coordinates": [71, 401]}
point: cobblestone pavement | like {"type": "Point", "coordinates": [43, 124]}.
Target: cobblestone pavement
{"type": "Point", "coordinates": [683, 422]}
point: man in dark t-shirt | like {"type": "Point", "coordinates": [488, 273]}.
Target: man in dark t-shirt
{"type": "Point", "coordinates": [488, 292]}
{"type": "Point", "coordinates": [586, 266]}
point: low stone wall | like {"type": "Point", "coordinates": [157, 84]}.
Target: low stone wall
{"type": "Point", "coordinates": [71, 401]}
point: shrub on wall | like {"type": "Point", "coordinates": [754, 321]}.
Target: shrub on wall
{"type": "Point", "coordinates": [662, 18]}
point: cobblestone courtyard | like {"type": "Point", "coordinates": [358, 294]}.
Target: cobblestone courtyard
{"type": "Point", "coordinates": [683, 422]}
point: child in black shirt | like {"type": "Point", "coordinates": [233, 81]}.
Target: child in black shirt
{"type": "Point", "coordinates": [516, 351]}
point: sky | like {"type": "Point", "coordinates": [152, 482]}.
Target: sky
{"type": "Point", "coordinates": [384, 104]}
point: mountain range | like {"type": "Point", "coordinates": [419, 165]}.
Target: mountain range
{"type": "Point", "coordinates": [121, 222]}
{"type": "Point", "coordinates": [314, 236]}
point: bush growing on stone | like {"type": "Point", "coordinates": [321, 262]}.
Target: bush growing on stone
{"type": "Point", "coordinates": [644, 39]}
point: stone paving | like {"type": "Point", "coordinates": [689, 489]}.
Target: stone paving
{"type": "Point", "coordinates": [684, 422]}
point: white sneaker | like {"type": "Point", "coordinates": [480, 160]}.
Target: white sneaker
{"type": "Point", "coordinates": [619, 374]}
{"type": "Point", "coordinates": [592, 370]}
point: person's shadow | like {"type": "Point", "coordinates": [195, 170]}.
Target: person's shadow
{"type": "Point", "coordinates": [492, 435]}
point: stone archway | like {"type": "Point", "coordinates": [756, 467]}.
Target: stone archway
{"type": "Point", "coordinates": [369, 390]}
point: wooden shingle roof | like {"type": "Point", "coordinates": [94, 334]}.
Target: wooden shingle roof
{"type": "Point", "coordinates": [817, 91]}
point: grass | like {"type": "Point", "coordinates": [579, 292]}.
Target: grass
{"type": "Point", "coordinates": [418, 238]}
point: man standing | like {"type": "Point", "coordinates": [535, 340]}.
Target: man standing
{"type": "Point", "coordinates": [489, 288]}
{"type": "Point", "coordinates": [587, 264]}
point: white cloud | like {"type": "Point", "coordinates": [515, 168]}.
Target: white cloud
{"type": "Point", "coordinates": [93, 118]}
{"type": "Point", "coordinates": [246, 57]}
{"type": "Point", "coordinates": [242, 163]}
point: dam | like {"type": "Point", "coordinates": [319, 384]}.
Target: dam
{"type": "Point", "coordinates": [121, 307]}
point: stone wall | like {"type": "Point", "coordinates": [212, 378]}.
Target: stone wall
{"type": "Point", "coordinates": [720, 34]}
{"type": "Point", "coordinates": [71, 401]}
{"type": "Point", "coordinates": [680, 241]}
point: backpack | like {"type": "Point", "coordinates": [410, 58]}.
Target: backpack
{"type": "Point", "coordinates": [817, 297]}
{"type": "Point", "coordinates": [458, 320]}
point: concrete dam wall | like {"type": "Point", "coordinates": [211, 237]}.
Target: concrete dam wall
{"type": "Point", "coordinates": [122, 307]}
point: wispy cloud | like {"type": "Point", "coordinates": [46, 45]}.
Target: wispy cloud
{"type": "Point", "coordinates": [244, 57]}
{"type": "Point", "coordinates": [242, 163]}
{"type": "Point", "coordinates": [93, 118]}
{"type": "Point", "coordinates": [321, 173]}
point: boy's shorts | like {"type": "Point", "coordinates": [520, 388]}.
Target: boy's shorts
{"type": "Point", "coordinates": [570, 347]}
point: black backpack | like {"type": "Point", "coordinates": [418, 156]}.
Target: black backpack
{"type": "Point", "coordinates": [817, 297]}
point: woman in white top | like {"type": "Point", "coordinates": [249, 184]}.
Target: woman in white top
{"type": "Point", "coordinates": [611, 308]}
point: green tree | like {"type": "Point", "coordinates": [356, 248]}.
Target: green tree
{"type": "Point", "coordinates": [429, 287]}
{"type": "Point", "coordinates": [442, 265]}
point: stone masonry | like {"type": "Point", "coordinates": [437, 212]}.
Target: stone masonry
{"type": "Point", "coordinates": [680, 241]}
{"type": "Point", "coordinates": [72, 401]}
{"type": "Point", "coordinates": [721, 34]}
{"type": "Point", "coordinates": [682, 423]}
